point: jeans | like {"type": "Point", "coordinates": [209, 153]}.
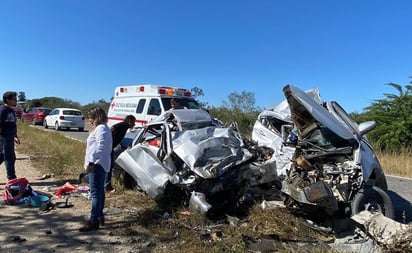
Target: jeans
{"type": "Point", "coordinates": [9, 156]}
{"type": "Point", "coordinates": [96, 183]}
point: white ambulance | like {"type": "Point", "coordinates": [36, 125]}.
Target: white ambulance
{"type": "Point", "coordinates": [146, 102]}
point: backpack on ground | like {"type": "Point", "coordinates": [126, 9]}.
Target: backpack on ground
{"type": "Point", "coordinates": [15, 189]}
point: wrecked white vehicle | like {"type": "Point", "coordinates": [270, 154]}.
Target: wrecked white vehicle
{"type": "Point", "coordinates": [184, 155]}
{"type": "Point", "coordinates": [322, 157]}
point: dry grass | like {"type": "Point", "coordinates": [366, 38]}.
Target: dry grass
{"type": "Point", "coordinates": [51, 151]}
{"type": "Point", "coordinates": [396, 163]}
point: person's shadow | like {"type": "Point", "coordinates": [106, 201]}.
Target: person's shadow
{"type": "Point", "coordinates": [402, 207]}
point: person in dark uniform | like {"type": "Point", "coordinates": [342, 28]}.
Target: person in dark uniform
{"type": "Point", "coordinates": [118, 132]}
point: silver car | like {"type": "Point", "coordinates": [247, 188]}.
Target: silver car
{"type": "Point", "coordinates": [308, 151]}
{"type": "Point", "coordinates": [323, 158]}
{"type": "Point", "coordinates": [184, 155]}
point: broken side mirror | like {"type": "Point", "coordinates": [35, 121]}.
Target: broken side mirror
{"type": "Point", "coordinates": [366, 127]}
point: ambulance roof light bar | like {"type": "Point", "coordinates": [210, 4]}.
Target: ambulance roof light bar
{"type": "Point", "coordinates": [164, 90]}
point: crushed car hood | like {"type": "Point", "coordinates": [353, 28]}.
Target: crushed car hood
{"type": "Point", "coordinates": [210, 151]}
{"type": "Point", "coordinates": [307, 113]}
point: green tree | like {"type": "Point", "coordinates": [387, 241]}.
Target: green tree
{"type": "Point", "coordinates": [21, 96]}
{"type": "Point", "coordinates": [102, 103]}
{"type": "Point", "coordinates": [196, 93]}
{"type": "Point", "coordinates": [394, 119]}
{"type": "Point", "coordinates": [240, 108]}
{"type": "Point", "coordinates": [243, 102]}
{"type": "Point", "coordinates": [52, 102]}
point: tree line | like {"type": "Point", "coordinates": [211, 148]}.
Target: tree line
{"type": "Point", "coordinates": [391, 113]}
{"type": "Point", "coordinates": [393, 117]}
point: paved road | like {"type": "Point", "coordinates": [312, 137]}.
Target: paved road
{"type": "Point", "coordinates": [400, 191]}
{"type": "Point", "coordinates": [399, 188]}
{"type": "Point", "coordinates": [72, 133]}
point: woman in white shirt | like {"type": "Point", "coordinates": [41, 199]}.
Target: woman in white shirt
{"type": "Point", "coordinates": [97, 164]}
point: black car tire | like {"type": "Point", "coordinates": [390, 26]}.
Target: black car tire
{"type": "Point", "coordinates": [45, 124]}
{"type": "Point", "coordinates": [57, 127]}
{"type": "Point", "coordinates": [373, 199]}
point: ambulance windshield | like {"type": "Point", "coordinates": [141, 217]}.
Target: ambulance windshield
{"type": "Point", "coordinates": [180, 103]}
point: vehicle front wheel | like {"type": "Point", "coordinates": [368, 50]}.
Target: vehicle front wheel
{"type": "Point", "coordinates": [45, 124]}
{"type": "Point", "coordinates": [57, 127]}
{"type": "Point", "coordinates": [373, 199]}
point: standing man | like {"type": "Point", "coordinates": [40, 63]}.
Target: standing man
{"type": "Point", "coordinates": [8, 132]}
{"type": "Point", "coordinates": [118, 132]}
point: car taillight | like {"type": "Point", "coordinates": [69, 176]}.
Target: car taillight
{"type": "Point", "coordinates": [61, 117]}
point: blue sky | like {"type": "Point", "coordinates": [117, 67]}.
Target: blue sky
{"type": "Point", "coordinates": [82, 49]}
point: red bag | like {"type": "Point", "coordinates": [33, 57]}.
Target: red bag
{"type": "Point", "coordinates": [15, 189]}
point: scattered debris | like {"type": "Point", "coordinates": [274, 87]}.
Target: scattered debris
{"type": "Point", "coordinates": [382, 229]}
{"type": "Point", "coordinates": [16, 238]}
{"type": "Point", "coordinates": [46, 176]}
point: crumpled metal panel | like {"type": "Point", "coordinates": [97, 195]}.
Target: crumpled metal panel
{"type": "Point", "coordinates": [282, 154]}
{"type": "Point", "coordinates": [187, 118]}
{"type": "Point", "coordinates": [210, 151]}
{"type": "Point", "coordinates": [143, 165]}
{"type": "Point", "coordinates": [301, 105]}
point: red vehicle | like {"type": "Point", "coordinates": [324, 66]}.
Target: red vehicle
{"type": "Point", "coordinates": [18, 111]}
{"type": "Point", "coordinates": [35, 115]}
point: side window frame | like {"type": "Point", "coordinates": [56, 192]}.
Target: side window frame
{"type": "Point", "coordinates": [140, 106]}
{"type": "Point", "coordinates": [154, 107]}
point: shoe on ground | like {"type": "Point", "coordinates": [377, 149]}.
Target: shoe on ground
{"type": "Point", "coordinates": [90, 226]}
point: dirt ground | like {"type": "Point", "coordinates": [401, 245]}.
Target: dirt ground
{"type": "Point", "coordinates": [24, 228]}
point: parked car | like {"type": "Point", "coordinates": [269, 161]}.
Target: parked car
{"type": "Point", "coordinates": [67, 118]}
{"type": "Point", "coordinates": [330, 168]}
{"type": "Point", "coordinates": [35, 115]}
{"type": "Point", "coordinates": [18, 111]}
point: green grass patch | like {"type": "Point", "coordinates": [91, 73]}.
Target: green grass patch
{"type": "Point", "coordinates": [51, 152]}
